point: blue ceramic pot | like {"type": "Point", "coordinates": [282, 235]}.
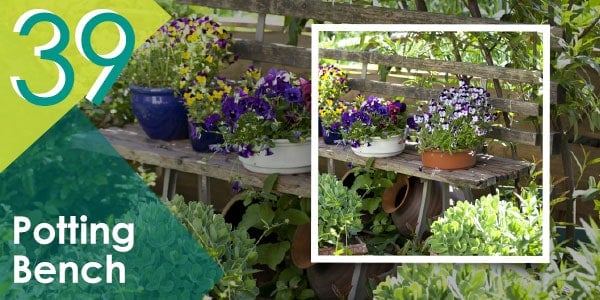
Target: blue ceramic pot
{"type": "Point", "coordinates": [161, 115]}
{"type": "Point", "coordinates": [201, 139]}
{"type": "Point", "coordinates": [331, 137]}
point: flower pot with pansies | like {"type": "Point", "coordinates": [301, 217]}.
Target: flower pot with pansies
{"type": "Point", "coordinates": [173, 58]}
{"type": "Point", "coordinates": [375, 127]}
{"type": "Point", "coordinates": [269, 125]}
{"type": "Point", "coordinates": [451, 128]}
{"type": "Point", "coordinates": [332, 85]}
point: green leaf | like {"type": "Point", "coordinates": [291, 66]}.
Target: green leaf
{"type": "Point", "coordinates": [269, 183]}
{"type": "Point", "coordinates": [256, 215]}
{"type": "Point", "coordinates": [361, 181]}
{"type": "Point", "coordinates": [296, 216]}
{"type": "Point", "coordinates": [271, 254]}
{"type": "Point", "coordinates": [371, 204]}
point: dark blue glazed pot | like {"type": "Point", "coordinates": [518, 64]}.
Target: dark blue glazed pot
{"type": "Point", "coordinates": [161, 115]}
{"type": "Point", "coordinates": [201, 139]}
{"type": "Point", "coordinates": [331, 137]}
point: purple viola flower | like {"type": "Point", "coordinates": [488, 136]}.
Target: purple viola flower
{"type": "Point", "coordinates": [292, 95]}
{"type": "Point", "coordinates": [236, 187]}
{"type": "Point", "coordinates": [336, 126]}
{"type": "Point", "coordinates": [231, 110]}
{"type": "Point", "coordinates": [297, 134]}
{"type": "Point", "coordinates": [382, 110]}
{"type": "Point", "coordinates": [410, 122]}
{"type": "Point", "coordinates": [364, 118]}
{"type": "Point", "coordinates": [348, 118]}
{"type": "Point", "coordinates": [400, 105]}
{"type": "Point", "coordinates": [245, 151]}
{"type": "Point", "coordinates": [261, 107]}
{"type": "Point", "coordinates": [210, 123]}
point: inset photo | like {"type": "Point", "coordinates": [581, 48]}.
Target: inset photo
{"type": "Point", "coordinates": [433, 143]}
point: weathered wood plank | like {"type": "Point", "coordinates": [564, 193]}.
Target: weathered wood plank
{"type": "Point", "coordinates": [272, 53]}
{"type": "Point", "coordinates": [476, 70]}
{"type": "Point", "coordinates": [517, 136]}
{"type": "Point", "coordinates": [394, 89]}
{"type": "Point", "coordinates": [133, 144]}
{"type": "Point", "coordinates": [486, 173]}
{"type": "Point", "coordinates": [343, 13]}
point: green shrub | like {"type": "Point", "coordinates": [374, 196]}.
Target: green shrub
{"type": "Point", "coordinates": [490, 226]}
{"type": "Point", "coordinates": [339, 212]}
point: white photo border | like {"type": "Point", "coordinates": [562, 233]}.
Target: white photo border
{"type": "Point", "coordinates": [545, 31]}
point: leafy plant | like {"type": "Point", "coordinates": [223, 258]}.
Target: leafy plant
{"type": "Point", "coordinates": [370, 183]}
{"type": "Point", "coordinates": [373, 117]}
{"type": "Point", "coordinates": [490, 226]}
{"type": "Point", "coordinates": [576, 277]}
{"type": "Point", "coordinates": [339, 216]}
{"type": "Point", "coordinates": [276, 216]}
{"type": "Point", "coordinates": [233, 250]}
{"type": "Point", "coordinates": [458, 120]}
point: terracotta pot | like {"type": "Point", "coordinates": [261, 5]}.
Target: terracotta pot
{"type": "Point", "coordinates": [406, 216]}
{"type": "Point", "coordinates": [300, 249]}
{"type": "Point", "coordinates": [437, 159]}
{"type": "Point", "coordinates": [395, 196]}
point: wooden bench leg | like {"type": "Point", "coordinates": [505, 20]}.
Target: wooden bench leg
{"type": "Point", "coordinates": [359, 285]}
{"type": "Point", "coordinates": [422, 219]}
{"type": "Point", "coordinates": [445, 196]}
{"type": "Point", "coordinates": [330, 166]}
{"type": "Point", "coordinates": [169, 184]}
{"type": "Point", "coordinates": [204, 189]}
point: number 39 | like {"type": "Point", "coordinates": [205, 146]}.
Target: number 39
{"type": "Point", "coordinates": [113, 62]}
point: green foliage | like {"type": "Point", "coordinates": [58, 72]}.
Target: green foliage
{"type": "Point", "coordinates": [576, 277]}
{"type": "Point", "coordinates": [233, 250]}
{"type": "Point", "coordinates": [489, 227]}
{"type": "Point", "coordinates": [339, 216]}
{"type": "Point", "coordinates": [277, 216]}
{"type": "Point", "coordinates": [463, 281]}
{"type": "Point", "coordinates": [370, 183]}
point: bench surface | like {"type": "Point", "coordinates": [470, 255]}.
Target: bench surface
{"type": "Point", "coordinates": [133, 144]}
{"type": "Point", "coordinates": [488, 171]}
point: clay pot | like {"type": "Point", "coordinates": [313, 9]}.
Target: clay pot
{"type": "Point", "coordinates": [395, 196]}
{"type": "Point", "coordinates": [406, 215]}
{"type": "Point", "coordinates": [300, 249]}
{"type": "Point", "coordinates": [437, 159]}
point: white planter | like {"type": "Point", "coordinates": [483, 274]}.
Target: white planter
{"type": "Point", "coordinates": [381, 147]}
{"type": "Point", "coordinates": [287, 158]}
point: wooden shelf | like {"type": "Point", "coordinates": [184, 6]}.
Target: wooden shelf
{"type": "Point", "coordinates": [489, 170]}
{"type": "Point", "coordinates": [133, 144]}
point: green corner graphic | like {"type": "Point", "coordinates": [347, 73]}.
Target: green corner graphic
{"type": "Point", "coordinates": [73, 171]}
{"type": "Point", "coordinates": [22, 122]}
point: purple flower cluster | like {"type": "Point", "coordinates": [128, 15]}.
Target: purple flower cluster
{"type": "Point", "coordinates": [275, 108]}
{"type": "Point", "coordinates": [462, 112]}
{"type": "Point", "coordinates": [375, 117]}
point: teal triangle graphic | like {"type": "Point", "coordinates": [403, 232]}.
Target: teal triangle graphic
{"type": "Point", "coordinates": [73, 172]}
